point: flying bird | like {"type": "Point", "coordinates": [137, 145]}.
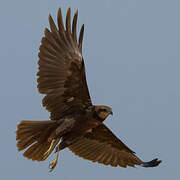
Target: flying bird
{"type": "Point", "coordinates": [75, 123]}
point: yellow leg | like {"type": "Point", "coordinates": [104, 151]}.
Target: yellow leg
{"type": "Point", "coordinates": [46, 154]}
{"type": "Point", "coordinates": [53, 164]}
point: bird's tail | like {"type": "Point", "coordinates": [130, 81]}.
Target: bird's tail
{"type": "Point", "coordinates": [34, 135]}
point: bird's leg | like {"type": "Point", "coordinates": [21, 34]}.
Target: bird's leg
{"type": "Point", "coordinates": [61, 146]}
{"type": "Point", "coordinates": [53, 164]}
{"type": "Point", "coordinates": [46, 154]}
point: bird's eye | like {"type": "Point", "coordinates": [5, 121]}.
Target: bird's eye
{"type": "Point", "coordinates": [104, 110]}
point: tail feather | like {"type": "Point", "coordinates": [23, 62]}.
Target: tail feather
{"type": "Point", "coordinates": [35, 134]}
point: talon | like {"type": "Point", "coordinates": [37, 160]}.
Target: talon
{"type": "Point", "coordinates": [53, 164]}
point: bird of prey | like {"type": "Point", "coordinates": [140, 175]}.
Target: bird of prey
{"type": "Point", "coordinates": [75, 123]}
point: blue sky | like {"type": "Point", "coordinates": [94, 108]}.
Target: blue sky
{"type": "Point", "coordinates": [132, 57]}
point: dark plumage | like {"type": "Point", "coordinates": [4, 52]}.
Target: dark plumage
{"type": "Point", "coordinates": [75, 121]}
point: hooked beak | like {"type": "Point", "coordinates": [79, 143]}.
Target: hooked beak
{"type": "Point", "coordinates": [111, 112]}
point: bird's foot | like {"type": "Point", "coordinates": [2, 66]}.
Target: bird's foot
{"type": "Point", "coordinates": [53, 164]}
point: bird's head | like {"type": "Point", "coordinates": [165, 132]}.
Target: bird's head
{"type": "Point", "coordinates": [103, 111]}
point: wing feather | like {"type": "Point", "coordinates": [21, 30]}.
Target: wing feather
{"type": "Point", "coordinates": [81, 38]}
{"type": "Point", "coordinates": [61, 75]}
{"type": "Point", "coordinates": [74, 33]}
{"type": "Point", "coordinates": [102, 146]}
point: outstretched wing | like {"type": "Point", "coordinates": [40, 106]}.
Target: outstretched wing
{"type": "Point", "coordinates": [61, 68]}
{"type": "Point", "coordinates": [102, 146]}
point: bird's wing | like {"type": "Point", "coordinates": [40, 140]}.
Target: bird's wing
{"type": "Point", "coordinates": [61, 75]}
{"type": "Point", "coordinates": [102, 146]}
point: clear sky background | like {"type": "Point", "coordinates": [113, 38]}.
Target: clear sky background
{"type": "Point", "coordinates": [132, 55]}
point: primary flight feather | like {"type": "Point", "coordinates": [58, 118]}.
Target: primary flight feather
{"type": "Point", "coordinates": [74, 122]}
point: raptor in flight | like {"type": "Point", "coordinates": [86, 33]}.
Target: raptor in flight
{"type": "Point", "coordinates": [74, 122]}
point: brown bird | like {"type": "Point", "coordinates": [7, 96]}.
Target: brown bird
{"type": "Point", "coordinates": [75, 121]}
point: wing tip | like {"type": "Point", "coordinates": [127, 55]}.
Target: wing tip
{"type": "Point", "coordinates": [59, 12]}
{"type": "Point", "coordinates": [76, 12]}
{"type": "Point", "coordinates": [155, 162]}
{"type": "Point", "coordinates": [50, 17]}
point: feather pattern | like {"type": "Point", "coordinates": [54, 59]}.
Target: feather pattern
{"type": "Point", "coordinates": [61, 75]}
{"type": "Point", "coordinates": [102, 146]}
